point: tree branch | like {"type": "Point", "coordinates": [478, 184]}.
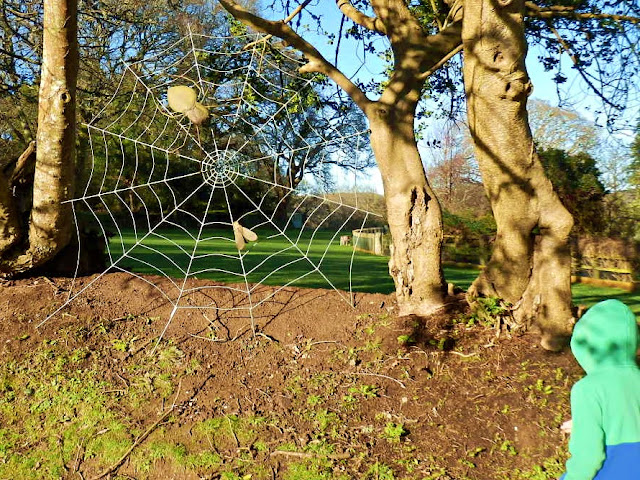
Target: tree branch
{"type": "Point", "coordinates": [534, 10]}
{"type": "Point", "coordinates": [17, 57]}
{"type": "Point", "coordinates": [442, 61]}
{"type": "Point", "coordinates": [441, 47]}
{"type": "Point", "coordinates": [576, 62]}
{"type": "Point", "coordinates": [290, 17]}
{"type": "Point", "coordinates": [317, 63]}
{"type": "Point", "coordinates": [25, 166]}
{"type": "Point", "coordinates": [370, 23]}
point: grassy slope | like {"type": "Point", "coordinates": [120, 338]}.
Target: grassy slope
{"type": "Point", "coordinates": [68, 407]}
{"type": "Point", "coordinates": [277, 258]}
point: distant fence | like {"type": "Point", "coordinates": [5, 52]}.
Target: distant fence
{"type": "Point", "coordinates": [597, 261]}
{"type": "Point", "coordinates": [375, 240]}
{"type": "Point", "coordinates": [604, 261]}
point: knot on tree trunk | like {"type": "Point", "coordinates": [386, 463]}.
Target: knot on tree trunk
{"type": "Point", "coordinates": [517, 86]}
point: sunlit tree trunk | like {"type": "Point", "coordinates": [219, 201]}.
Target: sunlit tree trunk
{"type": "Point", "coordinates": [531, 265]}
{"type": "Point", "coordinates": [413, 211]}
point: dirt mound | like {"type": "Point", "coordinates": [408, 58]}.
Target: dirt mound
{"type": "Point", "coordinates": [308, 388]}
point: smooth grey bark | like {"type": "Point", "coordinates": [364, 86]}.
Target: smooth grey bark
{"type": "Point", "coordinates": [530, 266]}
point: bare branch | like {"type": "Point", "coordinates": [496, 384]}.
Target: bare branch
{"type": "Point", "coordinates": [576, 62]}
{"type": "Point", "coordinates": [441, 47]}
{"type": "Point", "coordinates": [18, 57]}
{"type": "Point", "coordinates": [370, 23]}
{"type": "Point", "coordinates": [297, 10]}
{"type": "Point", "coordinates": [455, 12]}
{"type": "Point", "coordinates": [290, 17]}
{"type": "Point", "coordinates": [534, 10]}
{"type": "Point", "coordinates": [317, 63]}
{"type": "Point", "coordinates": [442, 61]}
{"type": "Point", "coordinates": [436, 14]}
{"type": "Point", "coordinates": [25, 165]}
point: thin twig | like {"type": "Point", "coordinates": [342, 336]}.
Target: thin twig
{"type": "Point", "coordinates": [323, 341]}
{"type": "Point", "coordinates": [52, 283]}
{"type": "Point", "coordinates": [235, 437]}
{"type": "Point", "coordinates": [556, 11]}
{"type": "Point", "coordinates": [138, 441]}
{"type": "Point", "coordinates": [219, 340]}
{"type": "Point", "coordinates": [444, 60]}
{"type": "Point", "coordinates": [293, 14]}
{"type": "Point", "coordinates": [381, 376]}
{"type": "Point", "coordinates": [213, 340]}
{"type": "Point", "coordinates": [463, 355]}
{"type": "Point", "coordinates": [268, 337]}
{"type": "Point", "coordinates": [576, 63]}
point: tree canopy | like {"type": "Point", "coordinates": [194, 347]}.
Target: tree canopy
{"type": "Point", "coordinates": [576, 179]}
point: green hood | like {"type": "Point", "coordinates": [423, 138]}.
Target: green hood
{"type": "Point", "coordinates": [606, 336]}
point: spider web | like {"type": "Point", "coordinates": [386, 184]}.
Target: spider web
{"type": "Point", "coordinates": [167, 193]}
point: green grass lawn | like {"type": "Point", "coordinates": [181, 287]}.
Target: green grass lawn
{"type": "Point", "coordinates": [280, 258]}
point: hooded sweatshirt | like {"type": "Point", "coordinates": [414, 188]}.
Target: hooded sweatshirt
{"type": "Point", "coordinates": [605, 404]}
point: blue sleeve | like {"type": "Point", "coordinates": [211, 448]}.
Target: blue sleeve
{"type": "Point", "coordinates": [587, 443]}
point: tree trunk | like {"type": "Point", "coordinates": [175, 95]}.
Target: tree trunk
{"type": "Point", "coordinates": [9, 219]}
{"type": "Point", "coordinates": [413, 211]}
{"type": "Point", "coordinates": [50, 224]}
{"type": "Point", "coordinates": [531, 265]}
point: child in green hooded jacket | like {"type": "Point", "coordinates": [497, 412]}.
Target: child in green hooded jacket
{"type": "Point", "coordinates": [605, 404]}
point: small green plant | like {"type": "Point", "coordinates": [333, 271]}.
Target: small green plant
{"type": "Point", "coordinates": [204, 460]}
{"type": "Point", "coordinates": [475, 452]}
{"type": "Point", "coordinates": [536, 390]}
{"type": "Point", "coordinates": [542, 388]}
{"type": "Point", "coordinates": [466, 463]}
{"type": "Point", "coordinates": [380, 471]}
{"type": "Point", "coordinates": [440, 344]}
{"type": "Point", "coordinates": [507, 446]}
{"type": "Point", "coordinates": [80, 354]}
{"type": "Point", "coordinates": [323, 419]}
{"type": "Point", "coordinates": [123, 345]}
{"type": "Point", "coordinates": [366, 391]}
{"type": "Point", "coordinates": [394, 431]}
{"type": "Point", "coordinates": [551, 469]}
{"type": "Point", "coordinates": [406, 340]}
{"type": "Point", "coordinates": [488, 311]}
{"type": "Point", "coordinates": [170, 357]}
{"type": "Point", "coordinates": [373, 345]}
{"type": "Point", "coordinates": [349, 401]}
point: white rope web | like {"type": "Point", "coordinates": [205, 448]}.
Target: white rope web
{"type": "Point", "coordinates": [174, 197]}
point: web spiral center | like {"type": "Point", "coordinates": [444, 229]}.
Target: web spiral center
{"type": "Point", "coordinates": [220, 170]}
